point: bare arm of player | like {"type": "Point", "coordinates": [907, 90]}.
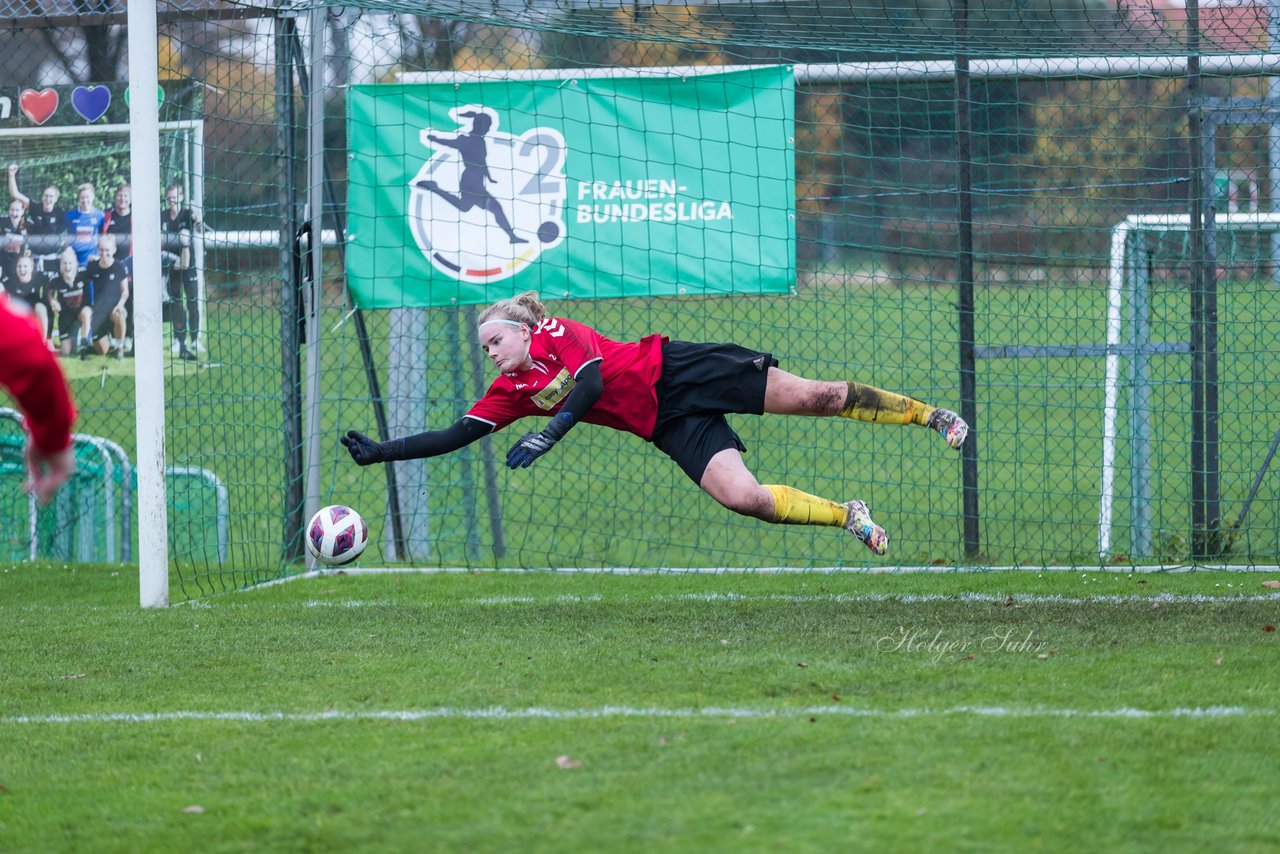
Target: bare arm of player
{"type": "Point", "coordinates": [14, 192]}
{"type": "Point", "coordinates": [589, 385]}
{"type": "Point", "coordinates": [433, 443]}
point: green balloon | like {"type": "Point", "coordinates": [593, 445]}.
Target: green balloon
{"type": "Point", "coordinates": [159, 95]}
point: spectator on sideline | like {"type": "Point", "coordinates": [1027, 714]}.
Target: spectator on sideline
{"type": "Point", "coordinates": [674, 394]}
{"type": "Point", "coordinates": [84, 224]}
{"type": "Point", "coordinates": [46, 219]}
{"type": "Point", "coordinates": [31, 374]}
{"type": "Point", "coordinates": [184, 306]}
{"type": "Point", "coordinates": [70, 303]}
{"type": "Point", "coordinates": [108, 280]}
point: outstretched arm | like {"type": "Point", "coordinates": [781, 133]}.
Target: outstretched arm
{"type": "Point", "coordinates": [13, 186]}
{"type": "Point", "coordinates": [433, 443]}
{"type": "Point", "coordinates": [32, 375]}
{"type": "Point", "coordinates": [447, 143]}
{"type": "Point", "coordinates": [589, 386]}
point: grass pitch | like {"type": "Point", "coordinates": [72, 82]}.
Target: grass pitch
{"type": "Point", "coordinates": [991, 711]}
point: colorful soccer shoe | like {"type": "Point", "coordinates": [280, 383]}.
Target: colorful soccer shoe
{"type": "Point", "coordinates": [859, 524]}
{"type": "Point", "coordinates": [952, 427]}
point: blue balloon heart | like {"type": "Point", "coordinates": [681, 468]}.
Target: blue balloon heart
{"type": "Point", "coordinates": [91, 102]}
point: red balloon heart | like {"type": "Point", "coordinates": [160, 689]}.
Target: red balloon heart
{"type": "Point", "coordinates": [39, 106]}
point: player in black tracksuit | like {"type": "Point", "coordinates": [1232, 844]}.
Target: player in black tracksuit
{"type": "Point", "coordinates": [184, 307]}
{"type": "Point", "coordinates": [69, 300]}
{"type": "Point", "coordinates": [27, 286]}
{"type": "Point", "coordinates": [108, 279]}
{"type": "Point", "coordinates": [120, 223]}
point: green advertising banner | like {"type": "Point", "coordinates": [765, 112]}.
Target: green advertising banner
{"type": "Point", "coordinates": [574, 187]}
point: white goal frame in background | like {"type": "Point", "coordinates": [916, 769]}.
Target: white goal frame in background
{"type": "Point", "coordinates": [1127, 334]}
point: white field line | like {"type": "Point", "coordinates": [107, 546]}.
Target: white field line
{"type": "Point", "coordinates": [604, 712]}
{"type": "Point", "coordinates": [761, 570]}
{"type": "Point", "coordinates": [806, 598]}
{"type": "Point", "coordinates": [1019, 599]}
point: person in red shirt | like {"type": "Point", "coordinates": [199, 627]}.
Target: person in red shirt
{"type": "Point", "coordinates": [674, 394]}
{"type": "Point", "coordinates": [31, 374]}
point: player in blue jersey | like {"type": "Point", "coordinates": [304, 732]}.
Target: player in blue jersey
{"type": "Point", "coordinates": [84, 224]}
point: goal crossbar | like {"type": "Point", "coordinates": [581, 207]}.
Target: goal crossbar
{"type": "Point", "coordinates": [1059, 67]}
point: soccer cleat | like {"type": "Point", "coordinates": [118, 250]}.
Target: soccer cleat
{"type": "Point", "coordinates": [859, 524]}
{"type": "Point", "coordinates": [952, 427]}
{"type": "Point", "coordinates": [186, 355]}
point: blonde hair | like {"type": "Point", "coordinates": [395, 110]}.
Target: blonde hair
{"type": "Point", "coordinates": [67, 250]}
{"type": "Point", "coordinates": [523, 308]}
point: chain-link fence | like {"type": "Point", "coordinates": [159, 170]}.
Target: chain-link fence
{"type": "Point", "coordinates": [1002, 208]}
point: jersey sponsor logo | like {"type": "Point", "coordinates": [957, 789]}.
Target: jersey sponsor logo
{"type": "Point", "coordinates": [487, 203]}
{"type": "Point", "coordinates": [555, 392]}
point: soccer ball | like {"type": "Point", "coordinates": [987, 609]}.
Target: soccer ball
{"type": "Point", "coordinates": [336, 535]}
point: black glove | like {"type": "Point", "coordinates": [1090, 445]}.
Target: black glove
{"type": "Point", "coordinates": [533, 445]}
{"type": "Point", "coordinates": [365, 451]}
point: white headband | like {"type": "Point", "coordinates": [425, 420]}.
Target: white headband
{"type": "Point", "coordinates": [514, 323]}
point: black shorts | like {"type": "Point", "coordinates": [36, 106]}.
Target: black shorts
{"type": "Point", "coordinates": [100, 324]}
{"type": "Point", "coordinates": [68, 322]}
{"type": "Point", "coordinates": [700, 383]}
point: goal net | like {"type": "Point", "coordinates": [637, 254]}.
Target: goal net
{"type": "Point", "coordinates": [838, 195]}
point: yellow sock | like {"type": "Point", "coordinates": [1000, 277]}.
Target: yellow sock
{"type": "Point", "coordinates": [793, 507]}
{"type": "Point", "coordinates": [867, 403]}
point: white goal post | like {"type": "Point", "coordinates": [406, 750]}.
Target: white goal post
{"type": "Point", "coordinates": [1126, 278]}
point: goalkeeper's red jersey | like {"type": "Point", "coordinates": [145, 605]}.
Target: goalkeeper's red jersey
{"type": "Point", "coordinates": [31, 374]}
{"type": "Point", "coordinates": [559, 348]}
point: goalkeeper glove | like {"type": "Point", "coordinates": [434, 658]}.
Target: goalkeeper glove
{"type": "Point", "coordinates": [365, 451]}
{"type": "Point", "coordinates": [533, 445]}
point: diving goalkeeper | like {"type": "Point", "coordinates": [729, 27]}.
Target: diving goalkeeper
{"type": "Point", "coordinates": [674, 394]}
